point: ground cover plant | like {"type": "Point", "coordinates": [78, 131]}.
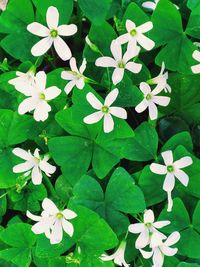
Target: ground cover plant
{"type": "Point", "coordinates": [100, 133]}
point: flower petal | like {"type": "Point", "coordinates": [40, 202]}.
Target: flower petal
{"type": "Point", "coordinates": [118, 112]}
{"type": "Point", "coordinates": [167, 157]}
{"type": "Point", "coordinates": [94, 101]}
{"type": "Point", "coordinates": [69, 214]}
{"type": "Point", "coordinates": [141, 106]}
{"type": "Point", "coordinates": [147, 26]}
{"type": "Point", "coordinates": [67, 75]}
{"type": "Point", "coordinates": [80, 83]}
{"type": "Point", "coordinates": [41, 47]}
{"type": "Point", "coordinates": [69, 86]}
{"type": "Point", "coordinates": [196, 69]}
{"type": "Point", "coordinates": [41, 111]}
{"type": "Point", "coordinates": [49, 206]}
{"type": "Point", "coordinates": [172, 239]}
{"type": "Point", "coordinates": [47, 167]}
{"type": "Point", "coordinates": [143, 239]}
{"type": "Point", "coordinates": [52, 92]}
{"type": "Point", "coordinates": [158, 258]}
{"type": "Point", "coordinates": [145, 88]}
{"type": "Point", "coordinates": [133, 67]}
{"type": "Point", "coordinates": [136, 228]}
{"type": "Point", "coordinates": [131, 52]}
{"type": "Point", "coordinates": [68, 227]}
{"type": "Point", "coordinates": [83, 66]}
{"type": "Point", "coordinates": [41, 79]}
{"type": "Point", "coordinates": [117, 75]}
{"type": "Point", "coordinates": [196, 55]}
{"type": "Point", "coordinates": [145, 42]}
{"type": "Point", "coordinates": [52, 17]}
{"type": "Point", "coordinates": [67, 30]}
{"type": "Point", "coordinates": [168, 251]}
{"type": "Point", "coordinates": [161, 100]}
{"type": "Point", "coordinates": [108, 124]}
{"type": "Point", "coordinates": [27, 105]}
{"type": "Point", "coordinates": [62, 49]}
{"type": "Point", "coordinates": [116, 50]}
{"type": "Point", "coordinates": [124, 38]}
{"type": "Point", "coordinates": [23, 154]}
{"type": "Point", "coordinates": [105, 62]}
{"type": "Point", "coordinates": [146, 254]}
{"type": "Point", "coordinates": [148, 216]}
{"type": "Point", "coordinates": [130, 25]}
{"type": "Point", "coordinates": [111, 97]}
{"type": "Point", "coordinates": [38, 29]}
{"type": "Point", "coordinates": [183, 162]}
{"type": "Point", "coordinates": [149, 5]}
{"type": "Point", "coordinates": [57, 232]}
{"type": "Point", "coordinates": [182, 177]}
{"type": "Point", "coordinates": [23, 167]}
{"type": "Point", "coordinates": [153, 111]}
{"type": "Point", "coordinates": [94, 117]}
{"type": "Point", "coordinates": [161, 224]}
{"type": "Point", "coordinates": [39, 228]}
{"type": "Point", "coordinates": [36, 176]}
{"type": "Point", "coordinates": [158, 168]}
{"type": "Point", "coordinates": [33, 217]}
{"type": "Point", "coordinates": [169, 182]}
{"type": "Point", "coordinates": [73, 65]}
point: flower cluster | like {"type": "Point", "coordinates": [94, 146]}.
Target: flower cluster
{"type": "Point", "coordinates": [159, 244]}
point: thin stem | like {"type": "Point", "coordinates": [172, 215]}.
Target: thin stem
{"type": "Point", "coordinates": [50, 188]}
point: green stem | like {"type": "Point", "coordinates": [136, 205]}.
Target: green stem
{"type": "Point", "coordinates": [50, 187]}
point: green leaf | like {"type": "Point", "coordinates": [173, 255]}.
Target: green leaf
{"type": "Point", "coordinates": [143, 146]}
{"type": "Point", "coordinates": [176, 140]}
{"type": "Point", "coordinates": [193, 23]}
{"type": "Point", "coordinates": [14, 128]}
{"type": "Point", "coordinates": [95, 10]}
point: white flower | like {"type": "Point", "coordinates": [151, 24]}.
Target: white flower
{"type": "Point", "coordinates": [135, 35]}
{"type": "Point", "coordinates": [197, 44]}
{"type": "Point", "coordinates": [38, 97]}
{"type": "Point", "coordinates": [118, 256]}
{"type": "Point", "coordinates": [196, 56]}
{"type": "Point", "coordinates": [24, 81]}
{"type": "Point", "coordinates": [119, 62]}
{"type": "Point", "coordinates": [148, 230]}
{"type": "Point", "coordinates": [161, 79]}
{"type": "Point", "coordinates": [152, 5]}
{"type": "Point", "coordinates": [151, 100]}
{"type": "Point", "coordinates": [3, 4]}
{"type": "Point", "coordinates": [33, 162]}
{"type": "Point", "coordinates": [52, 221]}
{"type": "Point", "coordinates": [52, 35]}
{"type": "Point", "coordinates": [75, 76]}
{"type": "Point", "coordinates": [162, 250]}
{"type": "Point", "coordinates": [171, 169]}
{"type": "Point", "coordinates": [105, 110]}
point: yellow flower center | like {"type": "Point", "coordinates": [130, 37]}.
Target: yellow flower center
{"type": "Point", "coordinates": [121, 65]}
{"type": "Point", "coordinates": [148, 97]}
{"type": "Point", "coordinates": [59, 215]}
{"type": "Point", "coordinates": [54, 33]}
{"type": "Point", "coordinates": [133, 32]}
{"type": "Point", "coordinates": [148, 225]}
{"type": "Point", "coordinates": [105, 109]}
{"type": "Point", "coordinates": [170, 168]}
{"type": "Point", "coordinates": [42, 96]}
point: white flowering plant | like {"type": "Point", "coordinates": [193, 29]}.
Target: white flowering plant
{"type": "Point", "coordinates": [99, 133]}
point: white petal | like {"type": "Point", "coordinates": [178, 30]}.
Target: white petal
{"type": "Point", "coordinates": [156, 239]}
{"type": "Point", "coordinates": [83, 66]}
{"type": "Point", "coordinates": [52, 17]}
{"type": "Point", "coordinates": [133, 67]}
{"type": "Point", "coordinates": [143, 239]}
{"type": "Point", "coordinates": [69, 214]}
{"type": "Point", "coordinates": [62, 49]}
{"type": "Point", "coordinates": [148, 216]}
{"type": "Point", "coordinates": [117, 75]}
{"type": "Point", "coordinates": [158, 168]}
{"type": "Point", "coordinates": [130, 25]}
{"type": "Point", "coordinates": [94, 101]}
{"type": "Point", "coordinates": [41, 47]}
{"type": "Point", "coordinates": [80, 83]}
{"type": "Point", "coordinates": [182, 177]}
{"type": "Point", "coordinates": [145, 42]}
{"type": "Point", "coordinates": [169, 251]}
{"type": "Point", "coordinates": [136, 228]}
{"type": "Point", "coordinates": [196, 69]}
{"type": "Point", "coordinates": [47, 167]}
{"type": "Point", "coordinates": [68, 227]}
{"type": "Point", "coordinates": [107, 257]}
{"type": "Point", "coordinates": [183, 162]}
{"type": "Point", "coordinates": [49, 206]}
{"type": "Point", "coordinates": [172, 239]}
{"type": "Point", "coordinates": [23, 167]}
{"type": "Point", "coordinates": [149, 5]}
{"type": "Point", "coordinates": [69, 86]}
{"type": "Point", "coordinates": [67, 30]}
{"type": "Point", "coordinates": [124, 38]}
{"type": "Point", "coordinates": [161, 100]}
{"type": "Point", "coordinates": [167, 157]}
{"type": "Point", "coordinates": [105, 62]}
{"type": "Point", "coordinates": [116, 50]}
{"type": "Point", "coordinates": [170, 201]}
{"type": "Point", "coordinates": [39, 227]}
{"type": "Point", "coordinates": [41, 78]}
{"type": "Point", "coordinates": [33, 217]}
{"type": "Point", "coordinates": [27, 105]}
{"type": "Point", "coordinates": [51, 93]}
{"type": "Point", "coordinates": [196, 55]}
{"type": "Point", "coordinates": [73, 65]}
{"type": "Point", "coordinates": [57, 232]}
{"type": "Point", "coordinates": [146, 254]}
{"type": "Point", "coordinates": [38, 29]}
{"type": "Point", "coordinates": [158, 258]}
{"type": "Point", "coordinates": [118, 112]}
{"type": "Point", "coordinates": [169, 182]}
{"type": "Point", "coordinates": [94, 117]}
{"type": "Point", "coordinates": [41, 111]}
{"type": "Point", "coordinates": [141, 106]}
{"type": "Point", "coordinates": [153, 111]}
{"type": "Point", "coordinates": [147, 26]}
{"type": "Point", "coordinates": [145, 88]}
{"type": "Point", "coordinates": [108, 124]}
{"type": "Point", "coordinates": [23, 154]}
{"type": "Point", "coordinates": [161, 224]}
{"type": "Point", "coordinates": [36, 176]}
{"type": "Point", "coordinates": [131, 52]}
{"type": "Point", "coordinates": [111, 97]}
{"type": "Point", "coordinates": [67, 75]}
